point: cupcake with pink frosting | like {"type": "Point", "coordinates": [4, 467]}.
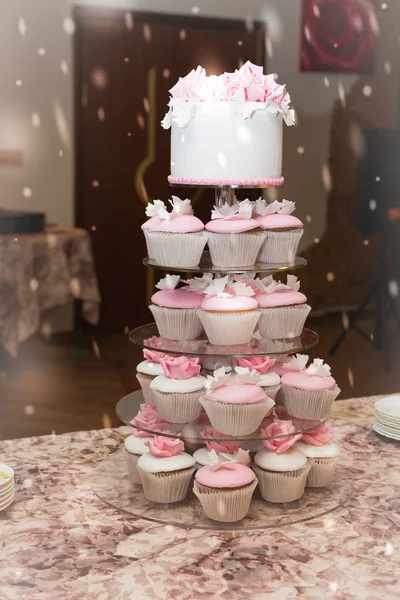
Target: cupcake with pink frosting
{"type": "Point", "coordinates": [236, 405]}
{"type": "Point", "coordinates": [147, 370]}
{"type": "Point", "coordinates": [282, 231]}
{"type": "Point", "coordinates": [281, 469]}
{"type": "Point", "coordinates": [283, 308]}
{"type": "Point", "coordinates": [176, 238]}
{"type": "Point", "coordinates": [269, 380]}
{"type": "Point", "coordinates": [322, 454]}
{"type": "Point", "coordinates": [221, 443]}
{"type": "Point", "coordinates": [235, 237]}
{"type": "Point", "coordinates": [135, 444]}
{"type": "Point", "coordinates": [308, 393]}
{"type": "Point", "coordinates": [165, 470]}
{"type": "Point", "coordinates": [229, 312]}
{"type": "Point", "coordinates": [175, 310]}
{"type": "Point", "coordinates": [225, 487]}
{"type": "Point", "coordinates": [178, 391]}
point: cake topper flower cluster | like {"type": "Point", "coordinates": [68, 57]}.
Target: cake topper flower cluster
{"type": "Point", "coordinates": [317, 367]}
{"type": "Point", "coordinates": [179, 208]}
{"type": "Point", "coordinates": [242, 375]}
{"type": "Point", "coordinates": [247, 90]}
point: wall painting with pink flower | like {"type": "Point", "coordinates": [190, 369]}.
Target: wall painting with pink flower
{"type": "Point", "coordinates": [338, 36]}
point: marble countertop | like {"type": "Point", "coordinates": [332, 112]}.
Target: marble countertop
{"type": "Point", "coordinates": [59, 541]}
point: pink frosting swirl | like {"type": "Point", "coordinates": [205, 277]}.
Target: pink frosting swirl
{"type": "Point", "coordinates": [180, 367]}
{"type": "Point", "coordinates": [163, 447]}
{"type": "Point", "coordinates": [155, 357]}
{"type": "Point", "coordinates": [318, 437]}
{"type": "Point", "coordinates": [147, 418]}
{"type": "Point", "coordinates": [282, 444]}
{"type": "Point", "coordinates": [261, 364]}
{"type": "Point", "coordinates": [226, 446]}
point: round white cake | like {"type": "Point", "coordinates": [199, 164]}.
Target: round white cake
{"type": "Point", "coordinates": [227, 130]}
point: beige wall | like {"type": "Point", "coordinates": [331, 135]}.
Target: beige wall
{"type": "Point", "coordinates": [47, 91]}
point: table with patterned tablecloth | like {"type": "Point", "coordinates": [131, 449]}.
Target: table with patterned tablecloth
{"type": "Point", "coordinates": [39, 272]}
{"type": "Point", "coordinates": [58, 540]}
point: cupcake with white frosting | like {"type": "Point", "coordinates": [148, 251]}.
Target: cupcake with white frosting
{"type": "Point", "coordinates": [269, 380]}
{"type": "Point", "coordinates": [283, 309]}
{"type": "Point", "coordinates": [322, 454]}
{"type": "Point", "coordinates": [224, 445]}
{"type": "Point", "coordinates": [236, 405]}
{"type": "Point", "coordinates": [229, 312]}
{"type": "Point", "coordinates": [282, 231]}
{"type": "Point", "coordinates": [175, 310]}
{"type": "Point", "coordinates": [178, 391]}
{"type": "Point", "coordinates": [225, 487]}
{"type": "Point", "coordinates": [165, 470]}
{"type": "Point", "coordinates": [308, 393]}
{"type": "Point", "coordinates": [176, 238]}
{"type": "Point", "coordinates": [281, 469]}
{"type": "Point", "coordinates": [235, 237]}
{"type": "Point", "coordinates": [147, 370]}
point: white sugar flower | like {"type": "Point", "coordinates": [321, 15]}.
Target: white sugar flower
{"type": "Point", "coordinates": [271, 286]}
{"type": "Point", "coordinates": [293, 283]}
{"type": "Point", "coordinates": [242, 458]}
{"type": "Point", "coordinates": [169, 282]}
{"type": "Point", "coordinates": [318, 367]}
{"type": "Point", "coordinates": [287, 207]}
{"type": "Point", "coordinates": [181, 207]}
{"type": "Point", "coordinates": [264, 208]}
{"type": "Point", "coordinates": [241, 210]}
{"type": "Point", "coordinates": [182, 112]}
{"type": "Point", "coordinates": [242, 289]}
{"type": "Point", "coordinates": [219, 378]}
{"type": "Point", "coordinates": [167, 120]}
{"type": "Point", "coordinates": [199, 284]}
{"type": "Point", "coordinates": [152, 209]}
{"type": "Point", "coordinates": [217, 287]}
{"type": "Point", "coordinates": [244, 375]}
{"type": "Point", "coordinates": [297, 363]}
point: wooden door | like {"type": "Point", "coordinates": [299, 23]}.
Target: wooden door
{"type": "Point", "coordinates": [124, 65]}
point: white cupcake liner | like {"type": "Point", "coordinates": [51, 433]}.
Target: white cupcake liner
{"type": "Point", "coordinates": [308, 404]}
{"type": "Point", "coordinates": [131, 462]}
{"type": "Point", "coordinates": [225, 505]}
{"type": "Point", "coordinates": [283, 321]}
{"type": "Point", "coordinates": [145, 381]}
{"type": "Point", "coordinates": [149, 251]}
{"type": "Point", "coordinates": [166, 487]}
{"type": "Point", "coordinates": [281, 487]}
{"type": "Point", "coordinates": [321, 471]}
{"type": "Point", "coordinates": [176, 249]}
{"type": "Point", "coordinates": [177, 323]}
{"type": "Point", "coordinates": [236, 419]}
{"type": "Point", "coordinates": [235, 249]}
{"type": "Point", "coordinates": [178, 407]}
{"type": "Point", "coordinates": [272, 390]}
{"type": "Point", "coordinates": [229, 328]}
{"type": "Point", "coordinates": [280, 246]}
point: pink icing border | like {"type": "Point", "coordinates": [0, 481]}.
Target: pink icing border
{"type": "Point", "coordinates": [221, 182]}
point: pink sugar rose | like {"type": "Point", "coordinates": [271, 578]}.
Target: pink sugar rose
{"type": "Point", "coordinates": [147, 418]}
{"type": "Point", "coordinates": [261, 364]}
{"type": "Point", "coordinates": [255, 93]}
{"type": "Point", "coordinates": [245, 75]}
{"type": "Point", "coordinates": [180, 367]}
{"type": "Point", "coordinates": [219, 446]}
{"type": "Point", "coordinates": [163, 447]}
{"type": "Point", "coordinates": [318, 437]}
{"type": "Point", "coordinates": [235, 90]}
{"type": "Point", "coordinates": [153, 356]}
{"type": "Point", "coordinates": [188, 87]}
{"type": "Point", "coordinates": [281, 444]}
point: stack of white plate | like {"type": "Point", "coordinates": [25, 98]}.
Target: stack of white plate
{"type": "Point", "coordinates": [387, 417]}
{"type": "Point", "coordinates": [7, 486]}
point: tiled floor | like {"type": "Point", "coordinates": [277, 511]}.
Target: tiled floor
{"type": "Point", "coordinates": [71, 383]}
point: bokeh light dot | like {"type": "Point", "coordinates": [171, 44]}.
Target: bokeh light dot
{"type": "Point", "coordinates": [372, 204]}
{"type": "Point", "coordinates": [367, 90]}
{"type": "Point", "coordinates": [146, 105]}
{"type": "Point", "coordinates": [101, 114]}
{"type": "Point", "coordinates": [18, 83]}
{"type": "Point", "coordinates": [388, 67]}
{"type": "Point", "coordinates": [182, 35]}
{"type": "Point", "coordinates": [308, 218]}
{"type": "Point", "coordinates": [195, 10]}
{"type": "Point", "coordinates": [240, 43]}
{"type": "Point", "coordinates": [300, 150]}
{"type": "Point", "coordinates": [330, 277]}
{"type": "Point", "coordinates": [27, 192]}
{"type": "Point", "coordinates": [35, 120]}
{"type": "Point", "coordinates": [126, 59]}
{"type": "Point", "coordinates": [366, 242]}
{"type": "Point", "coordinates": [64, 67]}
{"type": "Point", "coordinates": [166, 73]}
{"type": "Point", "coordinates": [377, 178]}
{"type": "Point", "coordinates": [327, 83]}
{"type": "Point", "coordinates": [393, 287]}
{"type": "Point", "coordinates": [93, 228]}
{"type": "Point", "coordinates": [29, 410]}
{"type": "Point", "coordinates": [42, 51]}
{"type": "Point", "coordinates": [316, 240]}
{"type": "Point", "coordinates": [69, 26]}
{"type": "Point", "coordinates": [140, 120]}
{"type": "Point", "coordinates": [22, 26]}
{"type": "Point", "coordinates": [146, 32]}
{"type": "Point", "coordinates": [95, 183]}
{"type": "Point", "coordinates": [129, 21]}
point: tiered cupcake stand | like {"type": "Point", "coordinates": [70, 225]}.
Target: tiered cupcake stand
{"type": "Point", "coordinates": [110, 478]}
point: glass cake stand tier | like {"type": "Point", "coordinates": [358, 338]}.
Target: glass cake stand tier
{"type": "Point", "coordinates": [147, 336]}
{"type": "Point", "coordinates": [109, 481]}
{"type": "Point", "coordinates": [129, 406]}
{"type": "Point", "coordinates": [206, 266]}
